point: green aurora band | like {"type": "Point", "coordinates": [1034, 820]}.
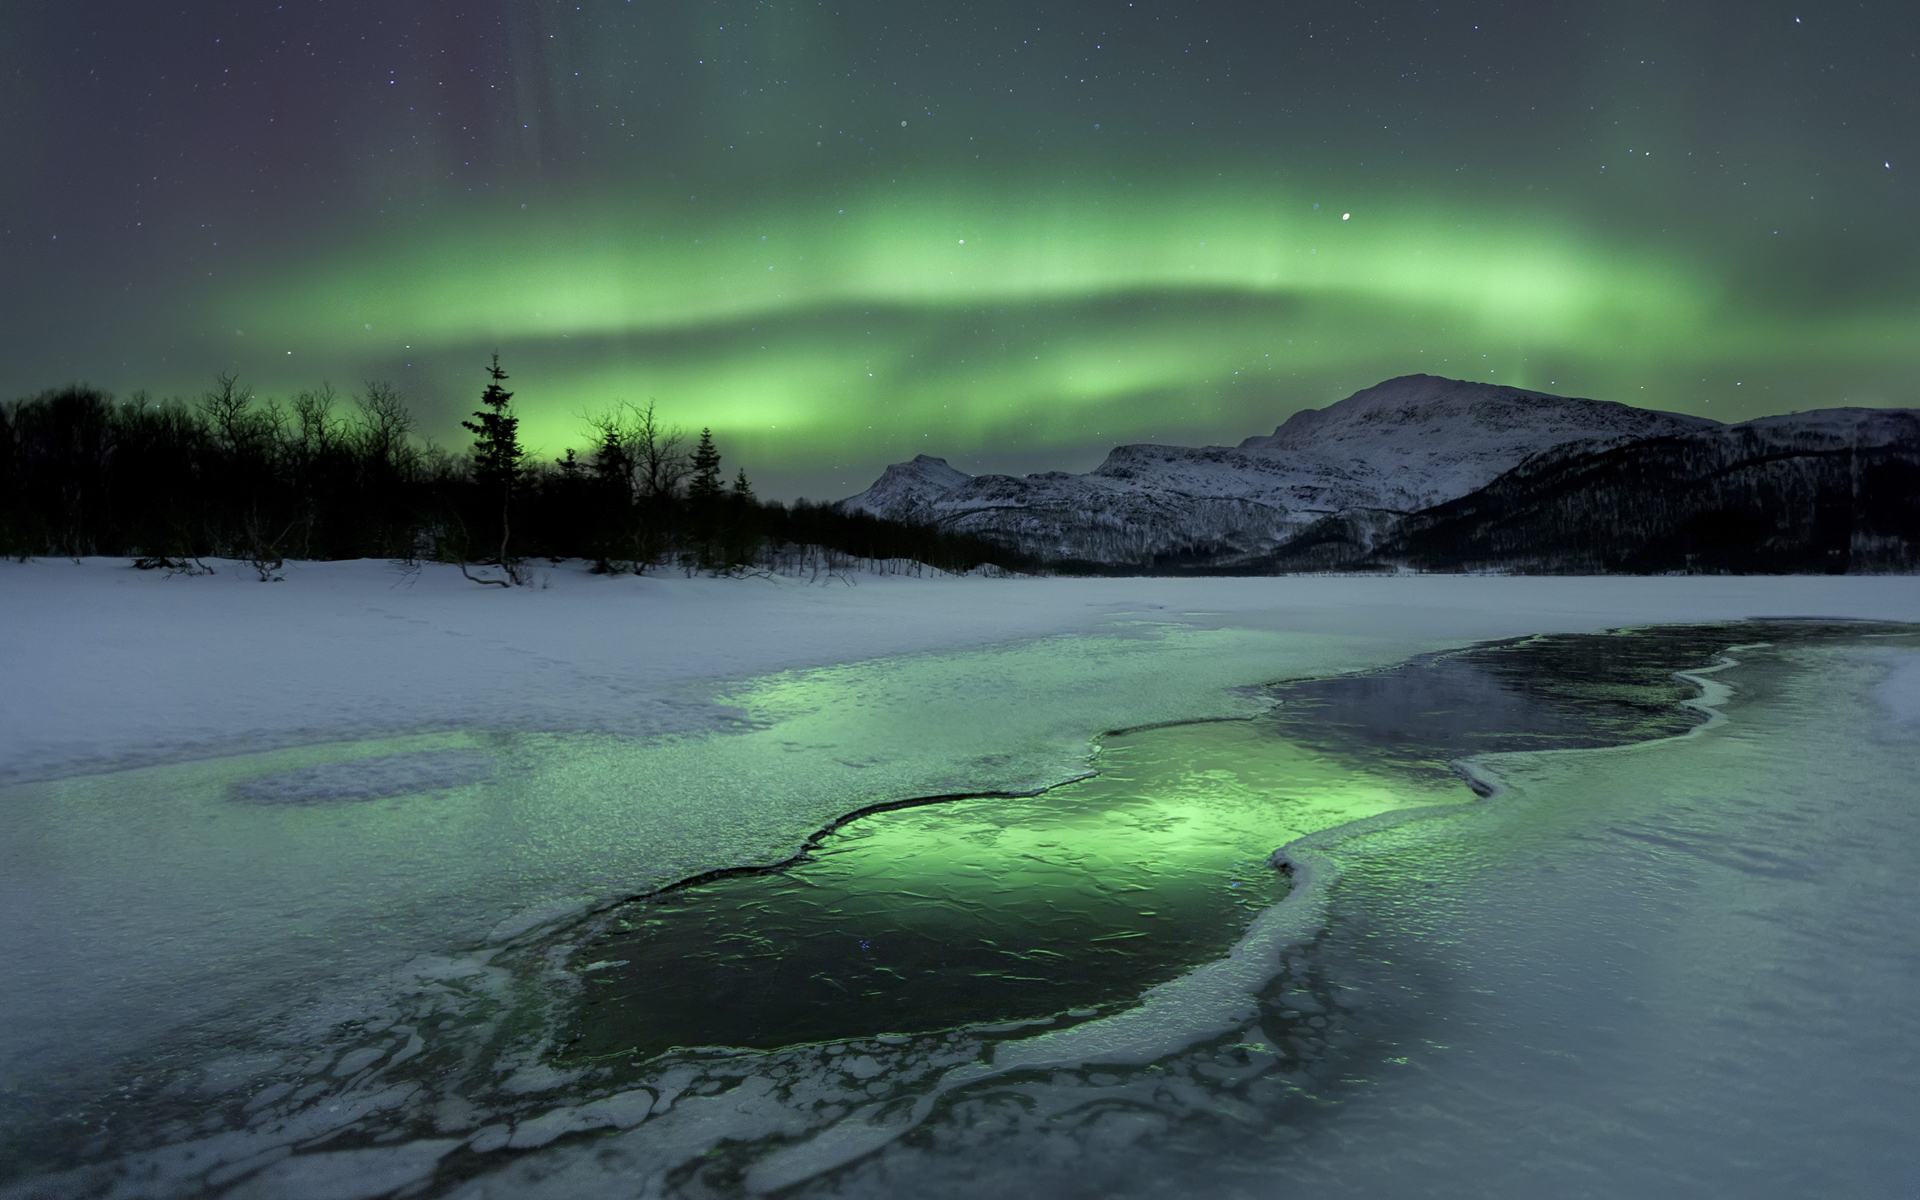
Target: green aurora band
{"type": "Point", "coordinates": [840, 234]}
{"type": "Point", "coordinates": [897, 320]}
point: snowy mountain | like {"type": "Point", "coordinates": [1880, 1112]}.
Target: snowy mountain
{"type": "Point", "coordinates": [907, 491]}
{"type": "Point", "coordinates": [1831, 491]}
{"type": "Point", "coordinates": [1391, 450]}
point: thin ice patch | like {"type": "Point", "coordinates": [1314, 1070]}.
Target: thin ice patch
{"type": "Point", "coordinates": [346, 1174]}
{"type": "Point", "coordinates": [1900, 690]}
{"type": "Point", "coordinates": [368, 778]}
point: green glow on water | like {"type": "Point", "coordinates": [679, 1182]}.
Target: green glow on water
{"type": "Point", "coordinates": [986, 909]}
{"type": "Point", "coordinates": [992, 908]}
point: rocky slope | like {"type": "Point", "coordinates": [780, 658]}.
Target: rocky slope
{"type": "Point", "coordinates": [1826, 492]}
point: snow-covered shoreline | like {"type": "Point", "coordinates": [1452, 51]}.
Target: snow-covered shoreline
{"type": "Point", "coordinates": [108, 667]}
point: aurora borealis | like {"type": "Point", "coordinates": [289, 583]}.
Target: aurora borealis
{"type": "Point", "coordinates": [841, 233]}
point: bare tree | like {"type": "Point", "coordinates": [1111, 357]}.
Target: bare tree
{"type": "Point", "coordinates": [630, 440]}
{"type": "Point", "coordinates": [225, 408]}
{"type": "Point", "coordinates": [262, 550]}
{"type": "Point", "coordinates": [317, 435]}
{"type": "Point", "coordinates": [240, 427]}
{"type": "Point", "coordinates": [319, 432]}
{"type": "Point", "coordinates": [658, 452]}
{"type": "Point", "coordinates": [383, 423]}
{"type": "Point", "coordinates": [614, 464]}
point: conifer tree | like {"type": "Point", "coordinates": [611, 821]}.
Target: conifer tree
{"type": "Point", "coordinates": [497, 457]}
{"type": "Point", "coordinates": [496, 436]}
{"type": "Point", "coordinates": [742, 490]}
{"type": "Point", "coordinates": [612, 460]}
{"type": "Point", "coordinates": [705, 485]}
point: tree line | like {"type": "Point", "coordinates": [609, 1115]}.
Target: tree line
{"type": "Point", "coordinates": [229, 475]}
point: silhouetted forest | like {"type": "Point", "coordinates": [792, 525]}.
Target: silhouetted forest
{"type": "Point", "coordinates": [327, 476]}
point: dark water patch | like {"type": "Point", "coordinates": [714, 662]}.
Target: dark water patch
{"type": "Point", "coordinates": [1546, 692]}
{"type": "Point", "coordinates": [1490, 1007]}
{"type": "Point", "coordinates": [986, 909]}
{"type": "Point", "coordinates": [377, 778]}
{"type": "Point", "coordinates": [974, 910]}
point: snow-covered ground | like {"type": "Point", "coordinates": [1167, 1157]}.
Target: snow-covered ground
{"type": "Point", "coordinates": [254, 814]}
{"type": "Point", "coordinates": [108, 667]}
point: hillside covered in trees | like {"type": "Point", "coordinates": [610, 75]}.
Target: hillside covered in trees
{"type": "Point", "coordinates": [1835, 492]}
{"type": "Point", "coordinates": [328, 476]}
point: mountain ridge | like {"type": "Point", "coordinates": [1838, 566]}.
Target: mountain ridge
{"type": "Point", "coordinates": [1396, 448]}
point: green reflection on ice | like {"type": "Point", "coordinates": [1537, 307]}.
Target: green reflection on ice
{"type": "Point", "coordinates": [987, 908]}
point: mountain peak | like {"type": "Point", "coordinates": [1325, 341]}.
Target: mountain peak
{"type": "Point", "coordinates": [907, 491]}
{"type": "Point", "coordinates": [1398, 447]}
{"type": "Point", "coordinates": [1415, 408]}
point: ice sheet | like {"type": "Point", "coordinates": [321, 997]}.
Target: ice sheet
{"type": "Point", "coordinates": [371, 778]}
{"type": "Point", "coordinates": [1675, 969]}
{"type": "Point", "coordinates": [601, 737]}
{"type": "Point", "coordinates": [1899, 692]}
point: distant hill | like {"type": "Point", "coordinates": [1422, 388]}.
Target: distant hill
{"type": "Point", "coordinates": [1385, 452]}
{"type": "Point", "coordinates": [1442, 474]}
{"type": "Point", "coordinates": [1834, 491]}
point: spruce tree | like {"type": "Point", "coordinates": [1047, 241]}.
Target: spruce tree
{"type": "Point", "coordinates": [612, 459]}
{"type": "Point", "coordinates": [742, 490]}
{"type": "Point", "coordinates": [497, 457]}
{"type": "Point", "coordinates": [496, 437]}
{"type": "Point", "coordinates": [705, 485]}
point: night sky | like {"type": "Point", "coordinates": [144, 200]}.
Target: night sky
{"type": "Point", "coordinates": [842, 232]}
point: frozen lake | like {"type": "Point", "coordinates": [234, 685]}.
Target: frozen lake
{"type": "Point", "coordinates": [353, 966]}
{"type": "Point", "coordinates": [986, 909]}
{"type": "Point", "coordinates": [1671, 969]}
